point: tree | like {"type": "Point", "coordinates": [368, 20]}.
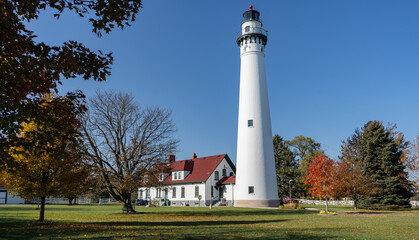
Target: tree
{"type": "Point", "coordinates": [352, 182]}
{"type": "Point", "coordinates": [72, 189]}
{"type": "Point", "coordinates": [414, 167]}
{"type": "Point", "coordinates": [286, 168]}
{"type": "Point", "coordinates": [29, 70]}
{"type": "Point", "coordinates": [381, 155]}
{"type": "Point", "coordinates": [125, 141]}
{"type": "Point", "coordinates": [51, 149]}
{"type": "Point", "coordinates": [321, 178]}
{"type": "Point", "coordinates": [305, 149]}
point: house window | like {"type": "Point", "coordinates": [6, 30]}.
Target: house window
{"type": "Point", "coordinates": [247, 28]}
{"type": "Point", "coordinates": [141, 194]}
{"type": "Point", "coordinates": [212, 191]}
{"type": "Point", "coordinates": [216, 176]}
{"type": "Point", "coordinates": [249, 123]}
{"type": "Point", "coordinates": [147, 193]}
{"type": "Point", "coordinates": [196, 191]}
{"type": "Point", "coordinates": [182, 192]}
{"type": "Point", "coordinates": [158, 193]}
{"type": "Point", "coordinates": [231, 174]}
{"type": "Point", "coordinates": [251, 189]}
{"type": "Point", "coordinates": [174, 192]}
{"type": "Point", "coordinates": [161, 177]}
{"type": "Point", "coordinates": [224, 172]}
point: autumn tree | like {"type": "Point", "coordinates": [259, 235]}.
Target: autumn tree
{"type": "Point", "coordinates": [43, 165]}
{"type": "Point", "coordinates": [382, 154]}
{"type": "Point", "coordinates": [125, 141]}
{"type": "Point", "coordinates": [286, 168]}
{"type": "Point", "coordinates": [353, 182]}
{"type": "Point", "coordinates": [321, 178]}
{"type": "Point", "coordinates": [30, 69]}
{"type": "Point", "coordinates": [73, 189]}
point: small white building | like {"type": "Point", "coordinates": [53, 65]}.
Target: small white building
{"type": "Point", "coordinates": [193, 182]}
{"type": "Point", "coordinates": [7, 198]}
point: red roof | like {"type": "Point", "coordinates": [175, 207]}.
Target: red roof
{"type": "Point", "coordinates": [226, 180]}
{"type": "Point", "coordinates": [200, 168]}
{"type": "Point", "coordinates": [186, 165]}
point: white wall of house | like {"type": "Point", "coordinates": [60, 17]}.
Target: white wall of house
{"type": "Point", "coordinates": [8, 198]}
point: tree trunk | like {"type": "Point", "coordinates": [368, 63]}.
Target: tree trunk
{"type": "Point", "coordinates": [70, 201]}
{"type": "Point", "coordinates": [127, 204]}
{"type": "Point", "coordinates": [42, 212]}
{"type": "Point", "coordinates": [327, 206]}
{"type": "Point", "coordinates": [355, 204]}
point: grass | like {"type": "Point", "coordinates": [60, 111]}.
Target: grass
{"type": "Point", "coordinates": [106, 222]}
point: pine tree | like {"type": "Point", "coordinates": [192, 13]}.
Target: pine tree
{"type": "Point", "coordinates": [286, 168]}
{"type": "Point", "coordinates": [381, 157]}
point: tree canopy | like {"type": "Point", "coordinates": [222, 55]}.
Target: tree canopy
{"type": "Point", "coordinates": [29, 69]}
{"type": "Point", "coordinates": [50, 154]}
{"type": "Point", "coordinates": [322, 177]}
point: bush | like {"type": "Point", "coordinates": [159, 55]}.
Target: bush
{"type": "Point", "coordinates": [292, 205]}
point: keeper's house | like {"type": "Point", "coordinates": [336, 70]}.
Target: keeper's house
{"type": "Point", "coordinates": [7, 198]}
{"type": "Point", "coordinates": [193, 182]}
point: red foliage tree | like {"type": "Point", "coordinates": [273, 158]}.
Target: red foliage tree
{"type": "Point", "coordinates": [321, 177]}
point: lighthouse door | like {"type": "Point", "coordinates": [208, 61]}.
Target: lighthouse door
{"type": "Point", "coordinates": [221, 193]}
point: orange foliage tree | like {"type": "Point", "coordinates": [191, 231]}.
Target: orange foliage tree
{"type": "Point", "coordinates": [321, 178]}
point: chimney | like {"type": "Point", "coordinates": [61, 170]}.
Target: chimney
{"type": "Point", "coordinates": [171, 158]}
{"type": "Point", "coordinates": [193, 155]}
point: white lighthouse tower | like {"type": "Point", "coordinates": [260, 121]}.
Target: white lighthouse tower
{"type": "Point", "coordinates": [256, 184]}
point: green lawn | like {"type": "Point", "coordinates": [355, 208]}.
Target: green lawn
{"type": "Point", "coordinates": [106, 222]}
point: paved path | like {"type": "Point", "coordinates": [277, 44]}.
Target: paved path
{"type": "Point", "coordinates": [312, 209]}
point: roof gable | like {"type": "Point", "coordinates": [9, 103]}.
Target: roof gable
{"type": "Point", "coordinates": [200, 168]}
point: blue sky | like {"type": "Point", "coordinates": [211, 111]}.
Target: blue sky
{"type": "Point", "coordinates": [331, 66]}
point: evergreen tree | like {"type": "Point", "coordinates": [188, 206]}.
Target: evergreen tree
{"type": "Point", "coordinates": [286, 168]}
{"type": "Point", "coordinates": [381, 156]}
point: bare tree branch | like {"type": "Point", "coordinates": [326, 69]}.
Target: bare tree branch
{"type": "Point", "coordinates": [124, 141]}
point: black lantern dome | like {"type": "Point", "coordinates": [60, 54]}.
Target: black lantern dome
{"type": "Point", "coordinates": [251, 15]}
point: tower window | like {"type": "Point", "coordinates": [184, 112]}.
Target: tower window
{"type": "Point", "coordinates": [247, 28]}
{"type": "Point", "coordinates": [250, 123]}
{"type": "Point", "coordinates": [251, 189]}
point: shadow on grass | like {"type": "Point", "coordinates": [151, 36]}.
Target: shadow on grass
{"type": "Point", "coordinates": [227, 212]}
{"type": "Point", "coordinates": [184, 223]}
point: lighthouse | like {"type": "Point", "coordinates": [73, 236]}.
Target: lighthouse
{"type": "Point", "coordinates": [256, 184]}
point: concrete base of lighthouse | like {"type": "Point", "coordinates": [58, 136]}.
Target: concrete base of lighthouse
{"type": "Point", "coordinates": [256, 203]}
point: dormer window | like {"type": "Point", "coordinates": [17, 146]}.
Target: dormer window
{"type": "Point", "coordinates": [161, 177]}
{"type": "Point", "coordinates": [177, 175]}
